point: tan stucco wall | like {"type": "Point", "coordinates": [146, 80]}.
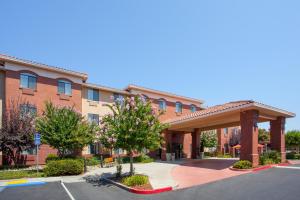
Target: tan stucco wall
{"type": "Point", "coordinates": [2, 97]}
{"type": "Point", "coordinates": [96, 107]}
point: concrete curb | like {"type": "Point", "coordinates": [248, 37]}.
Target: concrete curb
{"type": "Point", "coordinates": [136, 191]}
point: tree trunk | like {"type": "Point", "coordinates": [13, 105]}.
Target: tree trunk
{"type": "Point", "coordinates": [131, 163]}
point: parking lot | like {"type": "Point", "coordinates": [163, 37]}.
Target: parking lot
{"type": "Point", "coordinates": [273, 184]}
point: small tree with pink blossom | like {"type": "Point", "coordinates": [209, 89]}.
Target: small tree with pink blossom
{"type": "Point", "coordinates": [133, 125]}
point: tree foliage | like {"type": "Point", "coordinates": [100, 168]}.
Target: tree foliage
{"type": "Point", "coordinates": [132, 126]}
{"type": "Point", "coordinates": [292, 139]}
{"type": "Point", "coordinates": [263, 136]}
{"type": "Point", "coordinates": [208, 139]}
{"type": "Point", "coordinates": [65, 129]}
{"type": "Point", "coordinates": [16, 134]}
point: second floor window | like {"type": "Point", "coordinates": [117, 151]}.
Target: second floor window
{"type": "Point", "coordinates": [193, 108]}
{"type": "Point", "coordinates": [93, 118]}
{"type": "Point", "coordinates": [178, 107]}
{"type": "Point", "coordinates": [118, 98]}
{"type": "Point", "coordinates": [162, 104]}
{"type": "Point", "coordinates": [28, 81]}
{"type": "Point", "coordinates": [93, 95]}
{"type": "Point", "coordinates": [64, 87]}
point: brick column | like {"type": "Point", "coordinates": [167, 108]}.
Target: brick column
{"type": "Point", "coordinates": [220, 147]}
{"type": "Point", "coordinates": [167, 141]}
{"type": "Point", "coordinates": [277, 136]}
{"type": "Point", "coordinates": [195, 143]}
{"type": "Point", "coordinates": [249, 136]}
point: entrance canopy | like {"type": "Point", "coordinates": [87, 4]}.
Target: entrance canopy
{"type": "Point", "coordinates": [225, 115]}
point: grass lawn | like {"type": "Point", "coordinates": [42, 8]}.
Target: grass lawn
{"type": "Point", "coordinates": [5, 175]}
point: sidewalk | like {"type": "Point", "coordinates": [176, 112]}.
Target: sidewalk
{"type": "Point", "coordinates": [159, 174]}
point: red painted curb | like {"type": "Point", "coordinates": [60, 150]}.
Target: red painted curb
{"type": "Point", "coordinates": [156, 191]}
{"type": "Point", "coordinates": [137, 191]}
{"type": "Point", "coordinates": [262, 168]}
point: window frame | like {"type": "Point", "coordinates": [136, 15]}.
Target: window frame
{"type": "Point", "coordinates": [193, 108]}
{"type": "Point", "coordinates": [65, 82]}
{"type": "Point", "coordinates": [30, 108]}
{"type": "Point", "coordinates": [93, 90]}
{"type": "Point", "coordinates": [180, 107]}
{"type": "Point", "coordinates": [93, 117]}
{"type": "Point", "coordinates": [28, 76]}
{"type": "Point", "coordinates": [164, 104]}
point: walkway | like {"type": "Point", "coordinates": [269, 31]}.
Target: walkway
{"type": "Point", "coordinates": [203, 171]}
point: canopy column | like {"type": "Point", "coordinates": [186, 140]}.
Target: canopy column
{"type": "Point", "coordinates": [249, 136]}
{"type": "Point", "coordinates": [195, 143]}
{"type": "Point", "coordinates": [277, 136]}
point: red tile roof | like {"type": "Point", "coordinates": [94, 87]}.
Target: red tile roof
{"type": "Point", "coordinates": [210, 110]}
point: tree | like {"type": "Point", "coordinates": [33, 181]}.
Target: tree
{"type": "Point", "coordinates": [132, 126]}
{"type": "Point", "coordinates": [292, 139]}
{"type": "Point", "coordinates": [65, 129]}
{"type": "Point", "coordinates": [208, 139]}
{"type": "Point", "coordinates": [263, 136]}
{"type": "Point", "coordinates": [16, 134]}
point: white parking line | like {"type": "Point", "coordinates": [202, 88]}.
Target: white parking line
{"type": "Point", "coordinates": [287, 167]}
{"type": "Point", "coordinates": [68, 192]}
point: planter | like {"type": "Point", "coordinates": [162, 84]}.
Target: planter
{"type": "Point", "coordinates": [201, 156]}
{"type": "Point", "coordinates": [168, 156]}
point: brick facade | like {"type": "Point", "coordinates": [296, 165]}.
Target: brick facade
{"type": "Point", "coordinates": [46, 90]}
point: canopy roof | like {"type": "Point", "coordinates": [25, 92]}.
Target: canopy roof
{"type": "Point", "coordinates": [225, 115]}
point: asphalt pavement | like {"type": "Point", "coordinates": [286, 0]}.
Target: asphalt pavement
{"type": "Point", "coordinates": [272, 184]}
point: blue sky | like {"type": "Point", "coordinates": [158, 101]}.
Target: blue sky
{"type": "Point", "coordinates": [218, 51]}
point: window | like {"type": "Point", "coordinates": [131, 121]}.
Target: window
{"type": "Point", "coordinates": [118, 151]}
{"type": "Point", "coordinates": [64, 87]}
{"type": "Point", "coordinates": [31, 151]}
{"type": "Point", "coordinates": [118, 98]}
{"type": "Point", "coordinates": [162, 104]}
{"type": "Point", "coordinates": [28, 109]}
{"type": "Point", "coordinates": [93, 94]}
{"type": "Point", "coordinates": [93, 118]}
{"type": "Point", "coordinates": [178, 107]}
{"type": "Point", "coordinates": [225, 131]}
{"type": "Point", "coordinates": [193, 108]}
{"type": "Point", "coordinates": [28, 81]}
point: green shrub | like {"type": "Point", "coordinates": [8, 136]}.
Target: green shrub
{"type": "Point", "coordinates": [292, 156]}
{"type": "Point", "coordinates": [139, 159]}
{"type": "Point", "coordinates": [242, 164]}
{"type": "Point", "coordinates": [5, 175]}
{"type": "Point", "coordinates": [143, 159]}
{"type": "Point", "coordinates": [224, 155]}
{"type": "Point", "coordinates": [51, 157]}
{"type": "Point", "coordinates": [271, 157]}
{"type": "Point", "coordinates": [64, 167]}
{"type": "Point", "coordinates": [135, 180]}
{"type": "Point", "coordinates": [92, 161]}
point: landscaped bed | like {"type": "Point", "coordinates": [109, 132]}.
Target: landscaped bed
{"type": "Point", "coordinates": [16, 174]}
{"type": "Point", "coordinates": [138, 181]}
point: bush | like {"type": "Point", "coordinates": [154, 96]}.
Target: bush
{"type": "Point", "coordinates": [92, 161]}
{"type": "Point", "coordinates": [64, 167]}
{"type": "Point", "coordinates": [293, 156]}
{"type": "Point", "coordinates": [139, 159]}
{"type": "Point", "coordinates": [224, 156]}
{"type": "Point", "coordinates": [143, 159]}
{"type": "Point", "coordinates": [242, 164]}
{"type": "Point", "coordinates": [135, 180]}
{"type": "Point", "coordinates": [271, 157]}
{"type": "Point", "coordinates": [51, 157]}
